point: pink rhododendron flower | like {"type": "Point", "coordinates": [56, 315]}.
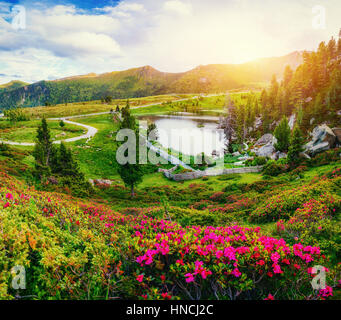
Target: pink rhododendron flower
{"type": "Point", "coordinates": [139, 278]}
{"type": "Point", "coordinates": [205, 273]}
{"type": "Point", "coordinates": [189, 277]}
{"type": "Point", "coordinates": [327, 292]}
{"type": "Point", "coordinates": [277, 269]}
{"type": "Point", "coordinates": [9, 196]}
{"type": "Point", "coordinates": [236, 273]}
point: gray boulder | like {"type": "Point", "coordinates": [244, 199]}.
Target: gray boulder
{"type": "Point", "coordinates": [265, 139]}
{"type": "Point", "coordinates": [314, 149]}
{"type": "Point", "coordinates": [323, 138]}
{"type": "Point", "coordinates": [266, 151]}
{"type": "Point", "coordinates": [323, 134]}
{"type": "Point", "coordinates": [267, 146]}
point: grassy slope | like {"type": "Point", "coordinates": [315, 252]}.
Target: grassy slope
{"type": "Point", "coordinates": [26, 131]}
{"type": "Point", "coordinates": [12, 85]}
{"type": "Point", "coordinates": [71, 109]}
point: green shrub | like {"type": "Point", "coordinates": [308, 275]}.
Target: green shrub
{"type": "Point", "coordinates": [325, 158]}
{"type": "Point", "coordinates": [15, 115]}
{"type": "Point", "coordinates": [257, 161]}
{"type": "Point", "coordinates": [273, 168]}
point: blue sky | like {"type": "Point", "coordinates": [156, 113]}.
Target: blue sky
{"type": "Point", "coordinates": [83, 4]}
{"type": "Point", "coordinates": [64, 38]}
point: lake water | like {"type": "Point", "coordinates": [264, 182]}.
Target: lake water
{"type": "Point", "coordinates": [188, 133]}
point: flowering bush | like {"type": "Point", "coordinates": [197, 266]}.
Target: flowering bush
{"type": "Point", "coordinates": [223, 262]}
{"type": "Point", "coordinates": [314, 224]}
{"type": "Point", "coordinates": [76, 249]}
{"type": "Point", "coordinates": [283, 205]}
{"type": "Point", "coordinates": [202, 204]}
{"type": "Point", "coordinates": [218, 197]}
{"type": "Point", "coordinates": [239, 205]}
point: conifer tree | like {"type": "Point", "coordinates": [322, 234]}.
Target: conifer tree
{"type": "Point", "coordinates": [288, 74]}
{"type": "Point", "coordinates": [296, 146]}
{"type": "Point", "coordinates": [131, 173]}
{"type": "Point", "coordinates": [282, 134]}
{"type": "Point", "coordinates": [43, 150]}
{"type": "Point", "coordinates": [230, 122]}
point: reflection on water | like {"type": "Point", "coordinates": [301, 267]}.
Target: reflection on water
{"type": "Point", "coordinates": [189, 134]}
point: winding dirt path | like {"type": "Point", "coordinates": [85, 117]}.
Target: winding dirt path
{"type": "Point", "coordinates": [90, 133]}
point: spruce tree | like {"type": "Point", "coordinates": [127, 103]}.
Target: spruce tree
{"type": "Point", "coordinates": [66, 163]}
{"type": "Point", "coordinates": [131, 173]}
{"type": "Point", "coordinates": [230, 123]}
{"type": "Point", "coordinates": [43, 150]}
{"type": "Point", "coordinates": [296, 146]}
{"type": "Point", "coordinates": [288, 74]}
{"type": "Point", "coordinates": [282, 134]}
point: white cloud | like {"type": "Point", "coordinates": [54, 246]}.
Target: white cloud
{"type": "Point", "coordinates": [61, 10]}
{"type": "Point", "coordinates": [124, 9]}
{"type": "Point", "coordinates": [171, 35]}
{"type": "Point", "coordinates": [57, 23]}
{"type": "Point", "coordinates": [35, 64]}
{"type": "Point", "coordinates": [85, 43]}
{"type": "Point", "coordinates": [178, 7]}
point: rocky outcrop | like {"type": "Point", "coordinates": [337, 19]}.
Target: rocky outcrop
{"type": "Point", "coordinates": [265, 139]}
{"type": "Point", "coordinates": [266, 151]}
{"type": "Point", "coordinates": [323, 139]}
{"type": "Point", "coordinates": [321, 147]}
{"type": "Point", "coordinates": [265, 146]}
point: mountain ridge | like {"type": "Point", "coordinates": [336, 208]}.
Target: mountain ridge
{"type": "Point", "coordinates": [146, 81]}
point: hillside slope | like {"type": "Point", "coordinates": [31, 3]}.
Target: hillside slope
{"type": "Point", "coordinates": [147, 81]}
{"type": "Point", "coordinates": [12, 85]}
